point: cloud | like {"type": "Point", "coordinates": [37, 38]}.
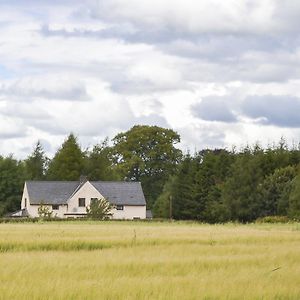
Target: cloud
{"type": "Point", "coordinates": [11, 129]}
{"type": "Point", "coordinates": [281, 111]}
{"type": "Point", "coordinates": [50, 87]}
{"type": "Point", "coordinates": [100, 67]}
{"type": "Point", "coordinates": [214, 109]}
{"type": "Point", "coordinates": [176, 14]}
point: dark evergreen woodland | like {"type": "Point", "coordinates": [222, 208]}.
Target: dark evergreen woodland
{"type": "Point", "coordinates": [212, 185]}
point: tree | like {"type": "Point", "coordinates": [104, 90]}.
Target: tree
{"type": "Point", "coordinates": [294, 198]}
{"type": "Point", "coordinates": [99, 209]}
{"type": "Point", "coordinates": [68, 162]}
{"type": "Point", "coordinates": [147, 154]}
{"type": "Point", "coordinates": [239, 192]}
{"type": "Point", "coordinates": [44, 211]}
{"type": "Point", "coordinates": [36, 163]}
{"type": "Point", "coordinates": [274, 192]}
{"type": "Point", "coordinates": [184, 203]}
{"type": "Point", "coordinates": [162, 206]}
{"type": "Point", "coordinates": [213, 170]}
{"type": "Point", "coordinates": [98, 165]}
{"type": "Point", "coordinates": [12, 177]}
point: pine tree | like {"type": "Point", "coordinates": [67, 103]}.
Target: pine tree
{"type": "Point", "coordinates": [68, 162]}
{"type": "Point", "coordinates": [36, 163]}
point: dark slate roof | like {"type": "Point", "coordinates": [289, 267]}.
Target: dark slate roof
{"type": "Point", "coordinates": [58, 192]}
{"type": "Point", "coordinates": [119, 192]}
{"type": "Point", "coordinates": [50, 192]}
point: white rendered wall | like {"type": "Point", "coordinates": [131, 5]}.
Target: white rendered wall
{"type": "Point", "coordinates": [59, 213]}
{"type": "Point", "coordinates": [130, 212]}
{"type": "Point", "coordinates": [87, 191]}
{"type": "Point", "coordinates": [33, 209]}
{"type": "Point", "coordinates": [24, 196]}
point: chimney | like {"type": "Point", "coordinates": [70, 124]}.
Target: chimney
{"type": "Point", "coordinates": [83, 179]}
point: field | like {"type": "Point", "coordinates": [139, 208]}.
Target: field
{"type": "Point", "coordinates": [136, 260]}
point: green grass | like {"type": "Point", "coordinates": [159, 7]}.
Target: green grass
{"type": "Point", "coordinates": [138, 260]}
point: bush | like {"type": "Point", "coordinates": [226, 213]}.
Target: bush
{"type": "Point", "coordinates": [274, 219]}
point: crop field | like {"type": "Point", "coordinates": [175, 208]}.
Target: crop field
{"type": "Point", "coordinates": [139, 260]}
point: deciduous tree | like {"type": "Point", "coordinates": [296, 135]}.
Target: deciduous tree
{"type": "Point", "coordinates": [147, 154]}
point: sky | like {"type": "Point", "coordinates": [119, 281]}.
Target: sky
{"type": "Point", "coordinates": [220, 73]}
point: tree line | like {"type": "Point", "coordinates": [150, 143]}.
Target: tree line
{"type": "Point", "coordinates": [212, 185]}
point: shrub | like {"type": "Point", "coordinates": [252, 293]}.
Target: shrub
{"type": "Point", "coordinates": [273, 219]}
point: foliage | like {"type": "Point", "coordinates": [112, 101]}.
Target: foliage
{"type": "Point", "coordinates": [98, 165]}
{"type": "Point", "coordinates": [162, 206]}
{"type": "Point", "coordinates": [212, 185]}
{"type": "Point", "coordinates": [36, 163]}
{"type": "Point", "coordinates": [12, 176]}
{"type": "Point", "coordinates": [68, 162]}
{"type": "Point", "coordinates": [44, 211]}
{"type": "Point", "coordinates": [182, 191]}
{"type": "Point", "coordinates": [274, 191]}
{"type": "Point", "coordinates": [147, 154]}
{"type": "Point", "coordinates": [294, 199]}
{"type": "Point", "coordinates": [99, 209]}
{"type": "Point", "coordinates": [273, 219]}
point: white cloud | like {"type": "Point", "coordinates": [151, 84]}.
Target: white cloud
{"type": "Point", "coordinates": [51, 86]}
{"type": "Point", "coordinates": [99, 67]}
{"type": "Point", "coordinates": [191, 15]}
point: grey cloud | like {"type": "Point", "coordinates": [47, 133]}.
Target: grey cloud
{"type": "Point", "coordinates": [188, 44]}
{"type": "Point", "coordinates": [214, 109]}
{"type": "Point", "coordinates": [25, 111]}
{"type": "Point", "coordinates": [20, 90]}
{"type": "Point", "coordinates": [12, 135]}
{"type": "Point", "coordinates": [152, 120]}
{"type": "Point", "coordinates": [280, 111]}
{"type": "Point", "coordinates": [208, 56]}
{"type": "Point", "coordinates": [201, 137]}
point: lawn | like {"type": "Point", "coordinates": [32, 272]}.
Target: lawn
{"type": "Point", "coordinates": [137, 260]}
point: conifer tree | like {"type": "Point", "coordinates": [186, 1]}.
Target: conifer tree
{"type": "Point", "coordinates": [68, 162]}
{"type": "Point", "coordinates": [36, 163]}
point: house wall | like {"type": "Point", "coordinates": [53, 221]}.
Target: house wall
{"type": "Point", "coordinates": [87, 191]}
{"type": "Point", "coordinates": [24, 196]}
{"type": "Point", "coordinates": [130, 212]}
{"type": "Point", "coordinates": [33, 211]}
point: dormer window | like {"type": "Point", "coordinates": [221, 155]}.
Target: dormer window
{"type": "Point", "coordinates": [81, 202]}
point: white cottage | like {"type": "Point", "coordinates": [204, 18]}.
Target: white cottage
{"type": "Point", "coordinates": [71, 198]}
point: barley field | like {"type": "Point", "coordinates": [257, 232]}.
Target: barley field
{"type": "Point", "coordinates": [139, 260]}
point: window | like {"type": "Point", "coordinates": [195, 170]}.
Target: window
{"type": "Point", "coordinates": [25, 202]}
{"type": "Point", "coordinates": [55, 207]}
{"type": "Point", "coordinates": [120, 207]}
{"type": "Point", "coordinates": [93, 200]}
{"type": "Point", "coordinates": [81, 202]}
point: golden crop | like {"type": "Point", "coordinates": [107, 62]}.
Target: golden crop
{"type": "Point", "coordinates": [137, 260]}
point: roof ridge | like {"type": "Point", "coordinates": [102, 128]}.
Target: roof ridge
{"type": "Point", "coordinates": [114, 181]}
{"type": "Point", "coordinates": [64, 181]}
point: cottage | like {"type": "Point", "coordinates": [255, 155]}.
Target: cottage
{"type": "Point", "coordinates": [71, 198]}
